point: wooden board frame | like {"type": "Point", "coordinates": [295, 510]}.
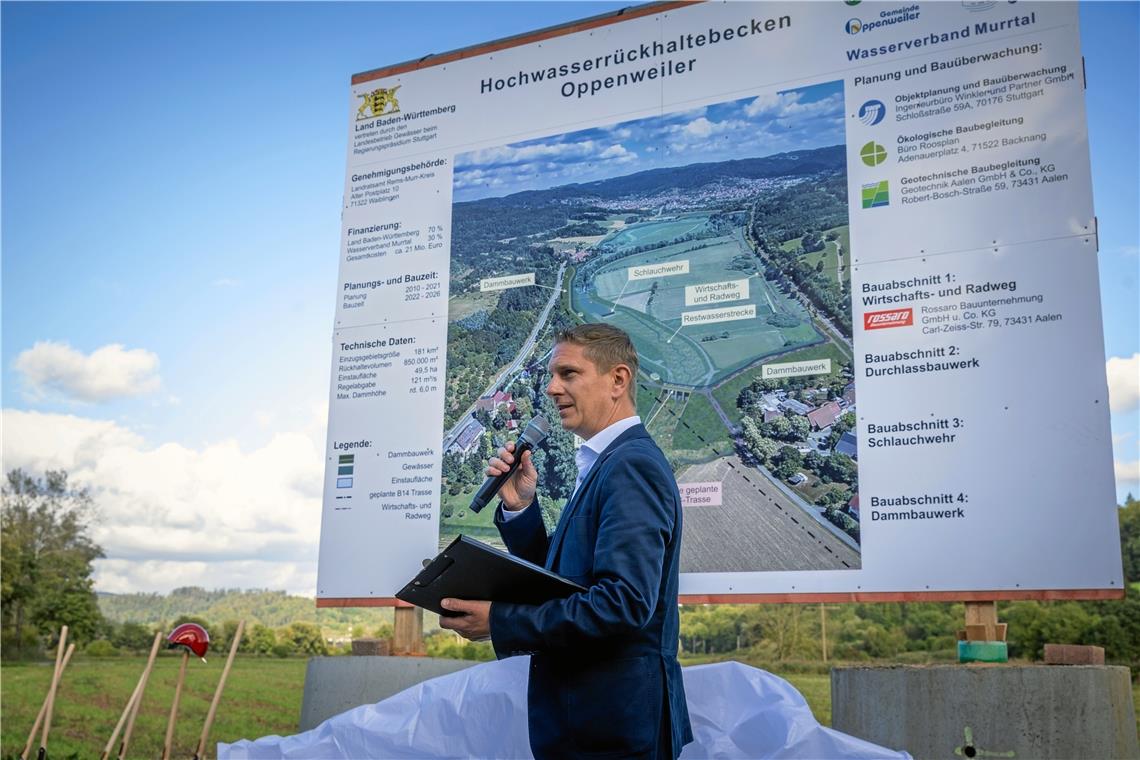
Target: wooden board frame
{"type": "Point", "coordinates": [606, 19]}
{"type": "Point", "coordinates": [550, 32]}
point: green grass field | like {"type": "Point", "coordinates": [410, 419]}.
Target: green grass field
{"type": "Point", "coordinates": [830, 263]}
{"type": "Point", "coordinates": [467, 304]}
{"type": "Point", "coordinates": [650, 233]}
{"type": "Point", "coordinates": [701, 428]}
{"type": "Point", "coordinates": [651, 311]}
{"type": "Point", "coordinates": [262, 697]}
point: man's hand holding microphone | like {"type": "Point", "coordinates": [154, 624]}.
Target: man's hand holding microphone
{"type": "Point", "coordinates": [512, 477]}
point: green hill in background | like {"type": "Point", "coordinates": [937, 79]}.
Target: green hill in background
{"type": "Point", "coordinates": [269, 608]}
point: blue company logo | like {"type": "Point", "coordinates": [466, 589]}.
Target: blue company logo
{"type": "Point", "coordinates": [872, 112]}
{"type": "Point", "coordinates": [854, 26]}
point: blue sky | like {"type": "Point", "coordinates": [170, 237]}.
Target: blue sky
{"type": "Point", "coordinates": [171, 184]}
{"type": "Point", "coordinates": [808, 117]}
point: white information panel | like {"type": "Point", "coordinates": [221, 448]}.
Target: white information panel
{"type": "Point", "coordinates": [853, 243]}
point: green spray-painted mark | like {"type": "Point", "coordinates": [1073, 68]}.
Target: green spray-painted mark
{"type": "Point", "coordinates": [969, 749]}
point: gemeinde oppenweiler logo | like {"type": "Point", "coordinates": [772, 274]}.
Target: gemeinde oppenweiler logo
{"type": "Point", "coordinates": [876, 320]}
{"type": "Point", "coordinates": [379, 102]}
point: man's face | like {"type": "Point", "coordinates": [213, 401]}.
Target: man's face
{"type": "Point", "coordinates": [587, 400]}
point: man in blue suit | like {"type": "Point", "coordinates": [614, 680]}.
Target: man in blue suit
{"type": "Point", "coordinates": [604, 677]}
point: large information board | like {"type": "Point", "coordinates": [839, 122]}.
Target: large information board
{"type": "Point", "coordinates": [853, 243]}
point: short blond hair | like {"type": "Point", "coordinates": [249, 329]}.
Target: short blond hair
{"type": "Point", "coordinates": [606, 346]}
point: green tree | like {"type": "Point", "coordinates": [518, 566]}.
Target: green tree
{"type": "Point", "coordinates": [306, 639]}
{"type": "Point", "coordinates": [786, 462]}
{"type": "Point", "coordinates": [840, 468]}
{"type": "Point", "coordinates": [46, 560]}
{"type": "Point", "coordinates": [1130, 538]}
{"type": "Point", "coordinates": [259, 640]}
{"type": "Point", "coordinates": [226, 632]}
{"type": "Point", "coordinates": [762, 448]}
{"type": "Point", "coordinates": [133, 636]}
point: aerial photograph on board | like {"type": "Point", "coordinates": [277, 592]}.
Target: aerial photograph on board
{"type": "Point", "coordinates": [717, 237]}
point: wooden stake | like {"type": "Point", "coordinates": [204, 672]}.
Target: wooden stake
{"type": "Point", "coordinates": [138, 702]}
{"type": "Point", "coordinates": [823, 629]}
{"type": "Point", "coordinates": [54, 687]}
{"type": "Point", "coordinates": [200, 753]}
{"type": "Point", "coordinates": [408, 636]}
{"type": "Point", "coordinates": [43, 707]}
{"type": "Point", "coordinates": [136, 696]}
{"type": "Point", "coordinates": [166, 745]}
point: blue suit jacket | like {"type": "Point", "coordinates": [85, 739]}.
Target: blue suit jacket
{"type": "Point", "coordinates": [604, 675]}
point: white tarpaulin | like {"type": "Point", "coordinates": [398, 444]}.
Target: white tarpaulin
{"type": "Point", "coordinates": [736, 711]}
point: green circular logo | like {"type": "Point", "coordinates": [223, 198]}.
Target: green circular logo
{"type": "Point", "coordinates": [852, 2]}
{"type": "Point", "coordinates": [873, 154]}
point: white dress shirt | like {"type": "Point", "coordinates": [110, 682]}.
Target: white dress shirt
{"type": "Point", "coordinates": [589, 452]}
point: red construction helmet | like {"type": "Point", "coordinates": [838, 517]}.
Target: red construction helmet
{"type": "Point", "coordinates": [191, 636]}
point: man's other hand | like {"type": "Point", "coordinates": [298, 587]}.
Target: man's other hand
{"type": "Point", "coordinates": [474, 623]}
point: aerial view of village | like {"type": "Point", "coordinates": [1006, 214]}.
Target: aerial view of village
{"type": "Point", "coordinates": [718, 239]}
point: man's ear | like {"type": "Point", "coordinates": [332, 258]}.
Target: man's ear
{"type": "Point", "coordinates": [622, 377]}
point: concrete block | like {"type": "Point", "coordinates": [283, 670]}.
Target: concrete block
{"type": "Point", "coordinates": [947, 711]}
{"type": "Point", "coordinates": [1073, 654]}
{"type": "Point", "coordinates": [336, 684]}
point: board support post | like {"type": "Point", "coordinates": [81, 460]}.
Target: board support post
{"type": "Point", "coordinates": [408, 633]}
{"type": "Point", "coordinates": [983, 638]}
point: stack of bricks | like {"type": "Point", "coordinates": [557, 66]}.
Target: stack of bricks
{"type": "Point", "coordinates": [371, 647]}
{"type": "Point", "coordinates": [1073, 654]}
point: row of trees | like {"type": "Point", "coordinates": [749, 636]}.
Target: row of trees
{"type": "Point", "coordinates": [297, 638]}
{"type": "Point", "coordinates": [271, 608]}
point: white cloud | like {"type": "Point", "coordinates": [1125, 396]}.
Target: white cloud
{"type": "Point", "coordinates": [504, 157]}
{"type": "Point", "coordinates": [701, 127]}
{"type": "Point", "coordinates": [224, 282]}
{"type": "Point", "coordinates": [520, 154]}
{"type": "Point", "coordinates": [788, 105]}
{"type": "Point", "coordinates": [1123, 383]}
{"type": "Point", "coordinates": [118, 576]}
{"type": "Point", "coordinates": [1127, 472]}
{"type": "Point", "coordinates": [107, 373]}
{"type": "Point", "coordinates": [173, 515]}
{"type": "Point", "coordinates": [618, 153]}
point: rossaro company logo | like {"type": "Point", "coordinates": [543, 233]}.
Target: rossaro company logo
{"type": "Point", "coordinates": [873, 154]}
{"type": "Point", "coordinates": [884, 19]}
{"type": "Point", "coordinates": [877, 320]}
{"type": "Point", "coordinates": [872, 112]}
{"type": "Point", "coordinates": [379, 102]}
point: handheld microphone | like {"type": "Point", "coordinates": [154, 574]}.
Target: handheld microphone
{"type": "Point", "coordinates": [534, 434]}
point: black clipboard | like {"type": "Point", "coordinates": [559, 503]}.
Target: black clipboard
{"type": "Point", "coordinates": [470, 569]}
